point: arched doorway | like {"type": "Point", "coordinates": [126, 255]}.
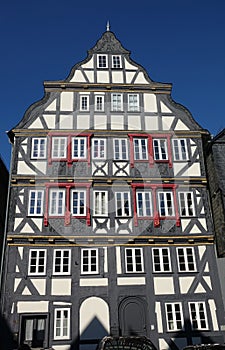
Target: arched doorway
{"type": "Point", "coordinates": [132, 317]}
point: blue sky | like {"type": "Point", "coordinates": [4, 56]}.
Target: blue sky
{"type": "Point", "coordinates": [177, 41]}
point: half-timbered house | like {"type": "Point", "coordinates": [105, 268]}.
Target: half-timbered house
{"type": "Point", "coordinates": [109, 225]}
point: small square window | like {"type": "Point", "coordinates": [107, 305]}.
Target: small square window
{"type": "Point", "coordinates": [38, 148]}
{"type": "Point", "coordinates": [116, 61]}
{"type": "Point", "coordinates": [62, 323]}
{"type": "Point", "coordinates": [120, 149]}
{"type": "Point", "coordinates": [99, 103]}
{"type": "Point", "coordinates": [98, 148]}
{"type": "Point", "coordinates": [89, 261]}
{"type": "Point", "coordinates": [116, 102]}
{"type": "Point", "coordinates": [61, 262]}
{"type": "Point", "coordinates": [35, 206]}
{"type": "Point", "coordinates": [79, 147]}
{"type": "Point", "coordinates": [134, 260]}
{"type": "Point", "coordinates": [37, 262]}
{"type": "Point", "coordinates": [84, 103]}
{"type": "Point", "coordinates": [57, 202]}
{"type": "Point", "coordinates": [123, 207]}
{"type": "Point", "coordinates": [59, 147]}
{"type": "Point", "coordinates": [78, 202]}
{"type": "Point", "coordinates": [133, 103]}
{"type": "Point", "coordinates": [102, 61]}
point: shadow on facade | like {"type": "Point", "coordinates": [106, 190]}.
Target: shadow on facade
{"type": "Point", "coordinates": [6, 337]}
{"type": "Point", "coordinates": [175, 341]}
{"type": "Point", "coordinates": [91, 336]}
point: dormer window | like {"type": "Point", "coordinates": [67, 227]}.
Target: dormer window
{"type": "Point", "coordinates": [102, 61]}
{"type": "Point", "coordinates": [116, 62]}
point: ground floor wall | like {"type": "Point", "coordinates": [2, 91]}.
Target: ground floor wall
{"type": "Point", "coordinates": [73, 308]}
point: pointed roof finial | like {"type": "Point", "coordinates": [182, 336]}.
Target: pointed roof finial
{"type": "Point", "coordinates": [108, 26]}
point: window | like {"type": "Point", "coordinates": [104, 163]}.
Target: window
{"type": "Point", "coordinates": [34, 330]}
{"type": "Point", "coordinates": [89, 261]}
{"type": "Point", "coordinates": [61, 262]}
{"type": "Point", "coordinates": [99, 148]}
{"type": "Point", "coordinates": [186, 203]}
{"type": "Point", "coordinates": [134, 260]}
{"type": "Point", "coordinates": [174, 316]}
{"type": "Point", "coordinates": [116, 62]}
{"type": "Point", "coordinates": [161, 260]}
{"type": "Point", "coordinates": [57, 202]}
{"type": "Point", "coordinates": [35, 206]}
{"type": "Point", "coordinates": [144, 203]}
{"type": "Point", "coordinates": [78, 202]}
{"type": "Point", "coordinates": [198, 315]}
{"type": "Point", "coordinates": [180, 149]}
{"type": "Point", "coordinates": [59, 147]}
{"type": "Point", "coordinates": [140, 149]}
{"type": "Point", "coordinates": [79, 147]}
{"type": "Point", "coordinates": [186, 259]}
{"type": "Point", "coordinates": [102, 61]}
{"type": "Point", "coordinates": [37, 262]}
{"type": "Point", "coordinates": [62, 324]}
{"type": "Point", "coordinates": [166, 207]}
{"type": "Point", "coordinates": [38, 148]}
{"type": "Point", "coordinates": [120, 149]}
{"type": "Point", "coordinates": [84, 103]}
{"type": "Point", "coordinates": [160, 149]}
{"type": "Point", "coordinates": [100, 203]}
{"type": "Point", "coordinates": [99, 103]}
{"type": "Point", "coordinates": [133, 102]}
{"type": "Point", "coordinates": [116, 102]}
{"type": "Point", "coordinates": [123, 204]}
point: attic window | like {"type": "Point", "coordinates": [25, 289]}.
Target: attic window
{"type": "Point", "coordinates": [102, 61]}
{"type": "Point", "coordinates": [116, 62]}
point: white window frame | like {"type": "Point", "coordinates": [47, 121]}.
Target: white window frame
{"type": "Point", "coordinates": [80, 193]}
{"type": "Point", "coordinates": [36, 202]}
{"type": "Point", "coordinates": [38, 148]}
{"type": "Point", "coordinates": [100, 200]}
{"type": "Point", "coordinates": [163, 197]}
{"type": "Point", "coordinates": [120, 149]}
{"type": "Point", "coordinates": [133, 104]}
{"type": "Point", "coordinates": [62, 261]}
{"type": "Point", "coordinates": [116, 61]}
{"type": "Point", "coordinates": [136, 254]}
{"type": "Point", "coordinates": [121, 204]}
{"type": "Point", "coordinates": [99, 103]}
{"type": "Point", "coordinates": [57, 211]}
{"type": "Point", "coordinates": [176, 317]}
{"type": "Point", "coordinates": [81, 147]}
{"type": "Point", "coordinates": [99, 63]}
{"type": "Point", "coordinates": [140, 148]}
{"type": "Point", "coordinates": [62, 324]}
{"type": "Point", "coordinates": [163, 259]}
{"type": "Point", "coordinates": [183, 254]}
{"type": "Point", "coordinates": [144, 203]}
{"type": "Point", "coordinates": [186, 204]}
{"type": "Point", "coordinates": [116, 102]}
{"type": "Point", "coordinates": [100, 151]}
{"type": "Point", "coordinates": [195, 316]}
{"type": "Point", "coordinates": [162, 150]}
{"type": "Point", "coordinates": [37, 264]}
{"type": "Point", "coordinates": [180, 150]}
{"type": "Point", "coordinates": [84, 106]}
{"type": "Point", "coordinates": [89, 258]}
{"type": "Point", "coordinates": [59, 151]}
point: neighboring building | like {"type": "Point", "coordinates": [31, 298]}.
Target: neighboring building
{"type": "Point", "coordinates": [109, 226]}
{"type": "Point", "coordinates": [215, 160]}
{"type": "Point", "coordinates": [216, 178]}
{"type": "Point", "coordinates": [4, 178]}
